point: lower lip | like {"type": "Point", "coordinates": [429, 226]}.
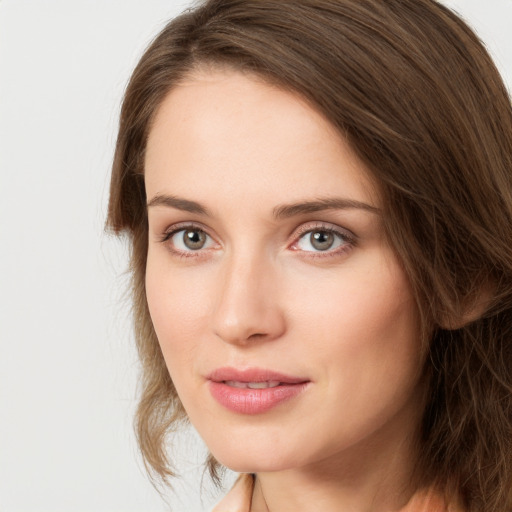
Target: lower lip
{"type": "Point", "coordinates": [254, 401]}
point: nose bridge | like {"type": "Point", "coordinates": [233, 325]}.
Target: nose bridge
{"type": "Point", "coordinates": [247, 306]}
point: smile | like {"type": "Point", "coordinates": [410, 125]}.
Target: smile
{"type": "Point", "coordinates": [252, 385]}
{"type": "Point", "coordinates": [253, 391]}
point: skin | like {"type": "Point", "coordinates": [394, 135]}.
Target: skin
{"type": "Point", "coordinates": [260, 294]}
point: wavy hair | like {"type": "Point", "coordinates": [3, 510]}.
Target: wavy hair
{"type": "Point", "coordinates": [414, 91]}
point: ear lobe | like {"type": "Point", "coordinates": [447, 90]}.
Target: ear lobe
{"type": "Point", "coordinates": [474, 310]}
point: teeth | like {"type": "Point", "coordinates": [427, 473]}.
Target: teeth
{"type": "Point", "coordinates": [252, 385]}
{"type": "Point", "coordinates": [235, 384]}
{"type": "Point", "coordinates": [263, 385]}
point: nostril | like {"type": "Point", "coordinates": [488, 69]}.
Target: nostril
{"type": "Point", "coordinates": [256, 335]}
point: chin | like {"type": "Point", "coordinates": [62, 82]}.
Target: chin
{"type": "Point", "coordinates": [241, 465]}
{"type": "Point", "coordinates": [261, 462]}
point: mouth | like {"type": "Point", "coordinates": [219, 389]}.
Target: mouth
{"type": "Point", "coordinates": [252, 385]}
{"type": "Point", "coordinates": [253, 376]}
{"type": "Point", "coordinates": [253, 391]}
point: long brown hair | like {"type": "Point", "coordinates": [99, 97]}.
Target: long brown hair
{"type": "Point", "coordinates": [419, 99]}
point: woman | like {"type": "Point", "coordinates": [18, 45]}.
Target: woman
{"type": "Point", "coordinates": [318, 194]}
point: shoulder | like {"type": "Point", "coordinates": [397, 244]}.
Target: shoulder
{"type": "Point", "coordinates": [430, 500]}
{"type": "Point", "coordinates": [238, 499]}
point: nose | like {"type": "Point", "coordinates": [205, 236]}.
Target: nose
{"type": "Point", "coordinates": [247, 307]}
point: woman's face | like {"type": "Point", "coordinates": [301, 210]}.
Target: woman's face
{"type": "Point", "coordinates": [286, 322]}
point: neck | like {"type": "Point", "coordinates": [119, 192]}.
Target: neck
{"type": "Point", "coordinates": [374, 476]}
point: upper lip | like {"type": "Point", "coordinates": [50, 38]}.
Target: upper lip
{"type": "Point", "coordinates": [252, 375]}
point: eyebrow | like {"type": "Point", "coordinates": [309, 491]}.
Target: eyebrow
{"type": "Point", "coordinates": [329, 203]}
{"type": "Point", "coordinates": [279, 212]}
{"type": "Point", "coordinates": [179, 204]}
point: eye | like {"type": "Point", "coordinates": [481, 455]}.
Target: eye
{"type": "Point", "coordinates": [322, 240]}
{"type": "Point", "coordinates": [189, 239]}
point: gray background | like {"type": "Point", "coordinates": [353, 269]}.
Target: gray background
{"type": "Point", "coordinates": [68, 371]}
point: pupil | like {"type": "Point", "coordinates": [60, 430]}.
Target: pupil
{"type": "Point", "coordinates": [194, 239]}
{"type": "Point", "coordinates": [322, 240]}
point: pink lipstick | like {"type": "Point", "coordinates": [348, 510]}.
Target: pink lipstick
{"type": "Point", "coordinates": [253, 391]}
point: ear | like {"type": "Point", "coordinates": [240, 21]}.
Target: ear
{"type": "Point", "coordinates": [473, 309]}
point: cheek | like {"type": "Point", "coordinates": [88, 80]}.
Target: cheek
{"type": "Point", "coordinates": [363, 326]}
{"type": "Point", "coordinates": [178, 307]}
{"type": "Point", "coordinates": [372, 298]}
{"type": "Point", "coordinates": [364, 341]}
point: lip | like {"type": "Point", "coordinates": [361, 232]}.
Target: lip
{"type": "Point", "coordinates": [253, 401]}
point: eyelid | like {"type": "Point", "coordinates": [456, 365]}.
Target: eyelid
{"type": "Point", "coordinates": [174, 228]}
{"type": "Point", "coordinates": [184, 226]}
{"type": "Point", "coordinates": [349, 237]}
{"type": "Point", "coordinates": [327, 226]}
{"type": "Point", "coordinates": [308, 227]}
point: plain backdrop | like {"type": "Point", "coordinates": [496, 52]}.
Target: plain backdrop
{"type": "Point", "coordinates": [68, 370]}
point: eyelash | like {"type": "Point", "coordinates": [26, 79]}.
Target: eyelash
{"type": "Point", "coordinates": [183, 227]}
{"type": "Point", "coordinates": [348, 240]}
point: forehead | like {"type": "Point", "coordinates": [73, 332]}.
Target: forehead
{"type": "Point", "coordinates": [232, 129]}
